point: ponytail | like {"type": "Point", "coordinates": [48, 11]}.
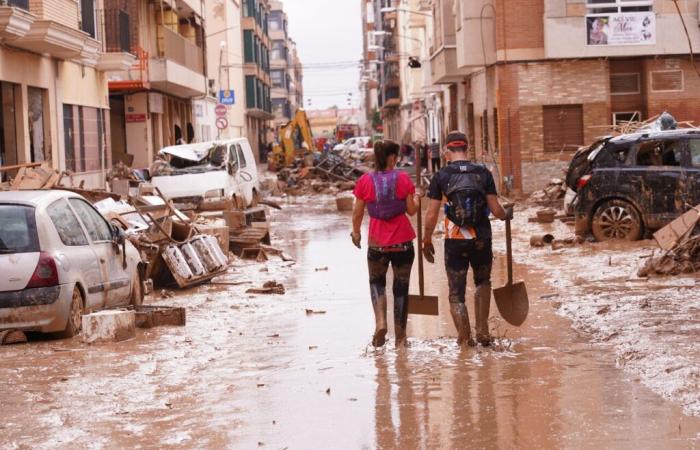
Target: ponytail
{"type": "Point", "coordinates": [382, 151]}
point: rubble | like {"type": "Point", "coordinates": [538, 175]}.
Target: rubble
{"type": "Point", "coordinates": [329, 174]}
{"type": "Point", "coordinates": [109, 326]}
{"type": "Point", "coordinates": [680, 241]}
{"type": "Point", "coordinates": [552, 194]}
{"type": "Point", "coordinates": [270, 287]}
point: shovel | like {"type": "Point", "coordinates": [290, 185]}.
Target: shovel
{"type": "Point", "coordinates": [422, 304]}
{"type": "Point", "coordinates": [511, 299]}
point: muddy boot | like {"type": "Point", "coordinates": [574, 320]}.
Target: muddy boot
{"type": "Point", "coordinates": [461, 320]}
{"type": "Point", "coordinates": [380, 328]}
{"type": "Point", "coordinates": [400, 320]}
{"type": "Point", "coordinates": [482, 305]}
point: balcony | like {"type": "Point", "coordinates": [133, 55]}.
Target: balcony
{"type": "Point", "coordinates": [392, 97]}
{"type": "Point", "coordinates": [114, 30]}
{"type": "Point", "coordinates": [179, 68]}
{"type": "Point", "coordinates": [57, 40]}
{"type": "Point", "coordinates": [15, 20]}
{"type": "Point", "coordinates": [443, 67]}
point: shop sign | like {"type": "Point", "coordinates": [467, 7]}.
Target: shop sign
{"type": "Point", "coordinates": [636, 28]}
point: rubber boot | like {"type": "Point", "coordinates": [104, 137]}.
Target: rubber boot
{"type": "Point", "coordinates": [461, 320]}
{"type": "Point", "coordinates": [380, 329]}
{"type": "Point", "coordinates": [400, 320]}
{"type": "Point", "coordinates": [482, 305]}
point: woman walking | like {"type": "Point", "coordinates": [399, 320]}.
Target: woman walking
{"type": "Point", "coordinates": [389, 196]}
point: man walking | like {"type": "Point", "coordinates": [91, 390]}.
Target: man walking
{"type": "Point", "coordinates": [469, 192]}
{"type": "Point", "coordinates": [435, 155]}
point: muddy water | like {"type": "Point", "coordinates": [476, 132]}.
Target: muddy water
{"type": "Point", "coordinates": [260, 372]}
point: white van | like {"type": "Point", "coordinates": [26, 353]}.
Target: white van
{"type": "Point", "coordinates": [208, 171]}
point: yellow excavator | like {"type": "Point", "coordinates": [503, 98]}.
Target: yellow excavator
{"type": "Point", "coordinates": [285, 150]}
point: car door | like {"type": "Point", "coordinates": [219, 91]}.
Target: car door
{"type": "Point", "coordinates": [75, 256]}
{"type": "Point", "coordinates": [664, 180]}
{"type": "Point", "coordinates": [117, 279]}
{"type": "Point", "coordinates": [694, 169]}
{"type": "Point", "coordinates": [247, 173]}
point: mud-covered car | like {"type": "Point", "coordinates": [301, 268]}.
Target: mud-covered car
{"type": "Point", "coordinates": [630, 184]}
{"type": "Point", "coordinates": [60, 258]}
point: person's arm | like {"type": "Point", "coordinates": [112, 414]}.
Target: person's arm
{"type": "Point", "coordinates": [358, 213]}
{"type": "Point", "coordinates": [496, 207]}
{"type": "Point", "coordinates": [411, 205]}
{"type": "Point", "coordinates": [431, 219]}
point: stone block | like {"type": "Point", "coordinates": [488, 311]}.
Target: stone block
{"type": "Point", "coordinates": [109, 326]}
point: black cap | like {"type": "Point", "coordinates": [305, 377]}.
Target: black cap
{"type": "Point", "coordinates": [456, 141]}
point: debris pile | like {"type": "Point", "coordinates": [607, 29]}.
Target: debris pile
{"type": "Point", "coordinates": [551, 194]}
{"type": "Point", "coordinates": [328, 174]}
{"type": "Point", "coordinates": [680, 242]}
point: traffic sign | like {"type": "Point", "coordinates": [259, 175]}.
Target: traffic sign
{"type": "Point", "coordinates": [227, 97]}
{"type": "Point", "coordinates": [221, 123]}
{"type": "Point", "coordinates": [221, 110]}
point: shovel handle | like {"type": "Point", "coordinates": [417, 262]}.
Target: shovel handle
{"type": "Point", "coordinates": [509, 253]}
{"type": "Point", "coordinates": [419, 223]}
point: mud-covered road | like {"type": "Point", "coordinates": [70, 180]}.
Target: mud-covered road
{"type": "Point", "coordinates": [253, 371]}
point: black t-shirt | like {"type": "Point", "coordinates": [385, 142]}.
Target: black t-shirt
{"type": "Point", "coordinates": [438, 185]}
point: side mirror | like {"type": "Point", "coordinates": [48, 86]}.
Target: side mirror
{"type": "Point", "coordinates": [118, 235]}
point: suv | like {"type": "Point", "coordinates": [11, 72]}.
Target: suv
{"type": "Point", "coordinates": [633, 183]}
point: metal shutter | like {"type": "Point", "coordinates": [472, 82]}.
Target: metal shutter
{"type": "Point", "coordinates": [562, 127]}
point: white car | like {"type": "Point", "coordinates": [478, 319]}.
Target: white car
{"type": "Point", "coordinates": [206, 171]}
{"type": "Point", "coordinates": [353, 144]}
{"type": "Point", "coordinates": [59, 259]}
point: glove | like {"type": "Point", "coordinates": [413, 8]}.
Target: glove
{"type": "Point", "coordinates": [356, 239]}
{"type": "Point", "coordinates": [429, 251]}
{"type": "Point", "coordinates": [509, 211]}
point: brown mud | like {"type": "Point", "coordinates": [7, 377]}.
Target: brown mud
{"type": "Point", "coordinates": [257, 371]}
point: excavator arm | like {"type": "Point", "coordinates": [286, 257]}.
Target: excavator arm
{"type": "Point", "coordinates": [284, 151]}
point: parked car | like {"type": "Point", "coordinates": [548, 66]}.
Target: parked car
{"type": "Point", "coordinates": [630, 184]}
{"type": "Point", "coordinates": [61, 258]}
{"type": "Point", "coordinates": [215, 170]}
{"type": "Point", "coordinates": [353, 144]}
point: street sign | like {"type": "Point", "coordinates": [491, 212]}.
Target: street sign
{"type": "Point", "coordinates": [221, 123]}
{"type": "Point", "coordinates": [221, 110]}
{"type": "Point", "coordinates": [227, 97]}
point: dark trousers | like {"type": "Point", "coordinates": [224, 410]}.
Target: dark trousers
{"type": "Point", "coordinates": [436, 164]}
{"type": "Point", "coordinates": [401, 263]}
{"type": "Point", "coordinates": [459, 255]}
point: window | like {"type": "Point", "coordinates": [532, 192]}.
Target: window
{"type": "Point", "coordinates": [667, 81]}
{"type": "Point", "coordinates": [96, 225]}
{"type": "Point", "coordinates": [87, 17]}
{"type": "Point", "coordinates": [233, 157]}
{"type": "Point", "coordinates": [660, 153]}
{"type": "Point", "coordinates": [85, 138]}
{"type": "Point", "coordinates": [694, 152]}
{"type": "Point", "coordinates": [618, 6]}
{"type": "Point", "coordinates": [278, 50]}
{"type": "Point", "coordinates": [17, 230]}
{"type": "Point", "coordinates": [275, 21]}
{"type": "Point", "coordinates": [250, 91]}
{"type": "Point", "coordinates": [38, 140]}
{"type": "Point", "coordinates": [249, 8]}
{"type": "Point", "coordinates": [277, 78]}
{"type": "Point", "coordinates": [624, 117]}
{"type": "Point", "coordinates": [248, 46]}
{"type": "Point", "coordinates": [562, 127]}
{"type": "Point", "coordinates": [624, 83]}
{"type": "Point", "coordinates": [241, 157]}
{"type": "Point", "coordinates": [67, 225]}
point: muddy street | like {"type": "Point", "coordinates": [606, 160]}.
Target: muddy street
{"type": "Point", "coordinates": [296, 371]}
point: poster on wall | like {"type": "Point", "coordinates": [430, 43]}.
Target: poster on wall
{"type": "Point", "coordinates": [637, 28]}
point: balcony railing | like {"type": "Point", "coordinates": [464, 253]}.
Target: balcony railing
{"type": "Point", "coordinates": [115, 30]}
{"type": "Point", "coordinates": [24, 4]}
{"type": "Point", "coordinates": [176, 48]}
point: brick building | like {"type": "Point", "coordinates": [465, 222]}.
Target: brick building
{"type": "Point", "coordinates": [531, 80]}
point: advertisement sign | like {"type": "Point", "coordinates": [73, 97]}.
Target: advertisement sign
{"type": "Point", "coordinates": [227, 97]}
{"type": "Point", "coordinates": [636, 28]}
{"type": "Point", "coordinates": [134, 118]}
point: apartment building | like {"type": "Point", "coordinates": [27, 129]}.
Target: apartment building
{"type": "Point", "coordinates": [256, 69]}
{"type": "Point", "coordinates": [531, 80]}
{"type": "Point", "coordinates": [225, 64]}
{"type": "Point", "coordinates": [286, 73]}
{"type": "Point", "coordinates": [53, 87]}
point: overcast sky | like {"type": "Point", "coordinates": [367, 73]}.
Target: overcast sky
{"type": "Point", "coordinates": [327, 31]}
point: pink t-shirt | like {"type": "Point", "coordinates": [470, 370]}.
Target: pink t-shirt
{"type": "Point", "coordinates": [383, 233]}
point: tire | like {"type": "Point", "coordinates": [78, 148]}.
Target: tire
{"type": "Point", "coordinates": [75, 317]}
{"type": "Point", "coordinates": [136, 298]}
{"type": "Point", "coordinates": [616, 220]}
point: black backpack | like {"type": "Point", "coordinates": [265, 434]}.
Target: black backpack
{"type": "Point", "coordinates": [466, 196]}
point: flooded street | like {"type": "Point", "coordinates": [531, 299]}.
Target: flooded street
{"type": "Point", "coordinates": [296, 371]}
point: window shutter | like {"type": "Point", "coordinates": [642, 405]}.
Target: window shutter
{"type": "Point", "coordinates": [562, 127]}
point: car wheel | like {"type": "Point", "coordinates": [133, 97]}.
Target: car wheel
{"type": "Point", "coordinates": [616, 220]}
{"type": "Point", "coordinates": [136, 291]}
{"type": "Point", "coordinates": [75, 316]}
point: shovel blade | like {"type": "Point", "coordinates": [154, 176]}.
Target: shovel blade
{"type": "Point", "coordinates": [424, 305]}
{"type": "Point", "coordinates": [512, 303]}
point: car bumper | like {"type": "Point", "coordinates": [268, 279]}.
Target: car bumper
{"type": "Point", "coordinates": [40, 309]}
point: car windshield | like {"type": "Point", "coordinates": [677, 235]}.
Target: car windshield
{"type": "Point", "coordinates": [17, 229]}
